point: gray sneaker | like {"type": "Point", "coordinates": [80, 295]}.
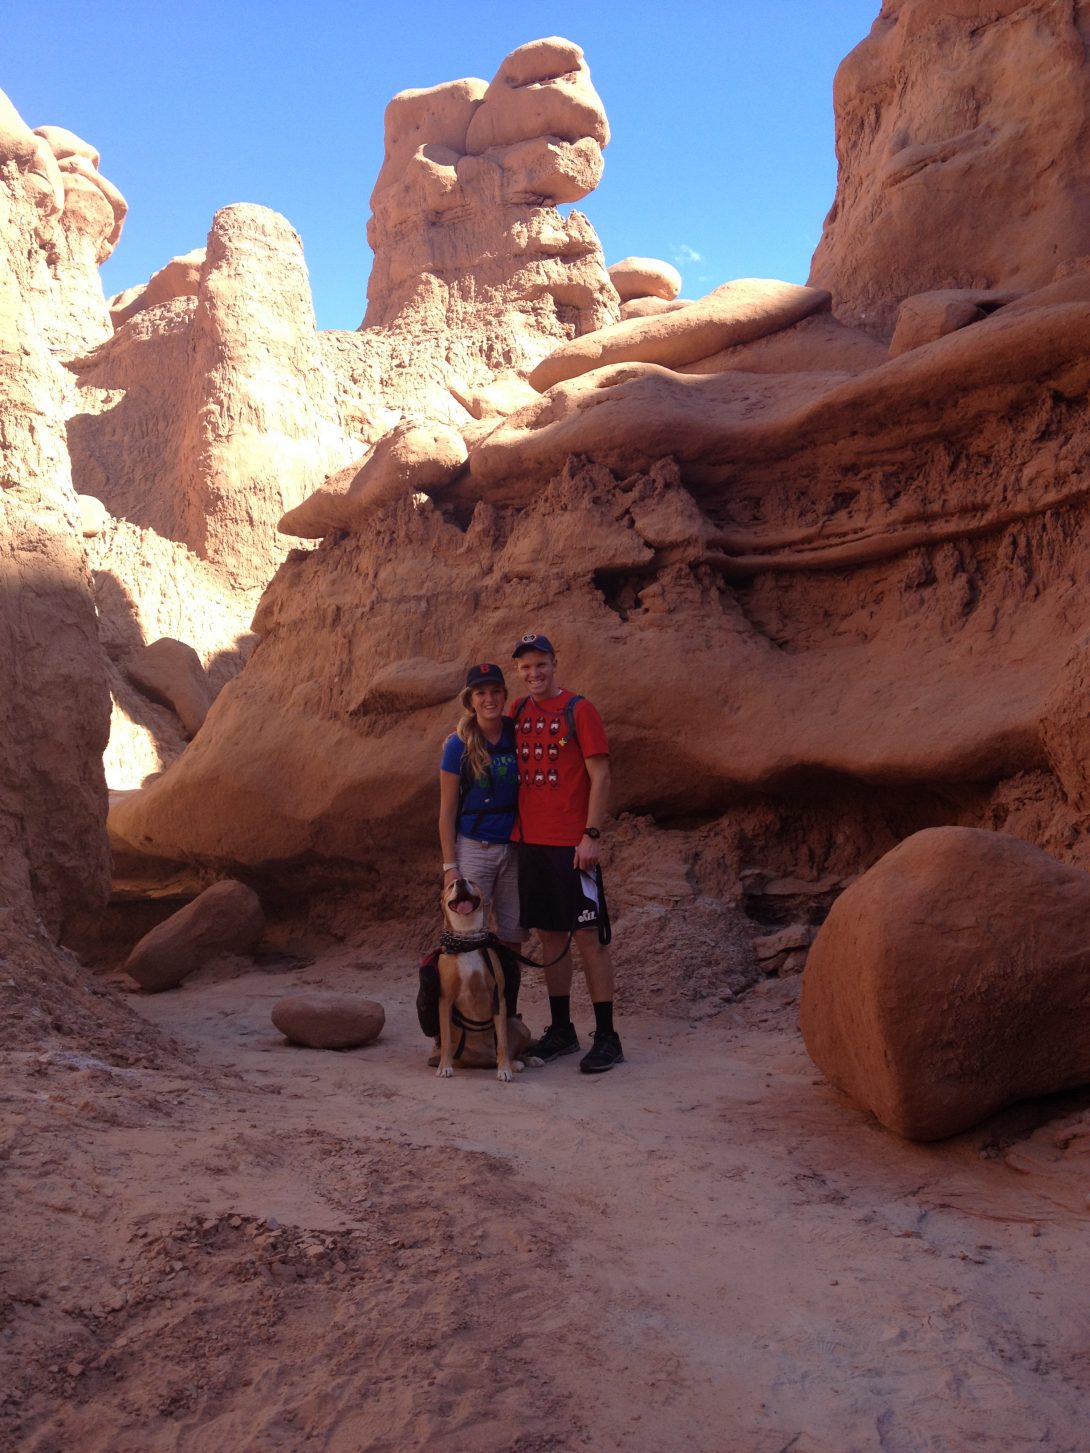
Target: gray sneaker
{"type": "Point", "coordinates": [553, 1043]}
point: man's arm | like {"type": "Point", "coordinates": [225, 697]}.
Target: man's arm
{"type": "Point", "coordinates": [586, 852]}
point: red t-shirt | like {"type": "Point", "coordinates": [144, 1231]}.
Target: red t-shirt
{"type": "Point", "coordinates": [554, 786]}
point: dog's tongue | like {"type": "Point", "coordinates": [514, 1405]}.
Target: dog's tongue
{"type": "Point", "coordinates": [464, 905]}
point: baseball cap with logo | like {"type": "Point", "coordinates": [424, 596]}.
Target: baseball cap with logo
{"type": "Point", "coordinates": [531, 641]}
{"type": "Point", "coordinates": [486, 674]}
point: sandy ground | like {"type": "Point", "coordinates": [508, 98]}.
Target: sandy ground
{"type": "Point", "coordinates": [248, 1246]}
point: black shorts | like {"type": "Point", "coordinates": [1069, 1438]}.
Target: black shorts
{"type": "Point", "coordinates": [552, 893]}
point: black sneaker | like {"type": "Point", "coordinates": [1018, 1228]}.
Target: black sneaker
{"type": "Point", "coordinates": [604, 1053]}
{"type": "Point", "coordinates": [553, 1043]}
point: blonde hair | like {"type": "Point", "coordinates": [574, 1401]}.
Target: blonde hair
{"type": "Point", "coordinates": [478, 759]}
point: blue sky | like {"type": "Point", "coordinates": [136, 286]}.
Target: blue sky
{"type": "Point", "coordinates": [721, 159]}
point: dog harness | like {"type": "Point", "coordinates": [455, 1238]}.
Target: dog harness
{"type": "Point", "coordinates": [454, 944]}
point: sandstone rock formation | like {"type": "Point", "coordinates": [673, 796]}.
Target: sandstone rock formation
{"type": "Point", "coordinates": [854, 580]}
{"type": "Point", "coordinates": [962, 146]}
{"type": "Point", "coordinates": [475, 271]}
{"type": "Point", "coordinates": [224, 399]}
{"type": "Point", "coordinates": [54, 708]}
{"type": "Point", "coordinates": [226, 918]}
{"type": "Point", "coordinates": [799, 539]}
{"type": "Point", "coordinates": [83, 236]}
{"type": "Point", "coordinates": [952, 979]}
{"type": "Point", "coordinates": [328, 1021]}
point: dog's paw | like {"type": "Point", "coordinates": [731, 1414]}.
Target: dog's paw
{"type": "Point", "coordinates": [444, 1072]}
{"type": "Point", "coordinates": [505, 1075]}
{"type": "Point", "coordinates": [535, 1061]}
{"type": "Point", "coordinates": [517, 1066]}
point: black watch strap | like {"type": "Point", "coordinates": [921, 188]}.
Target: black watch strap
{"type": "Point", "coordinates": [591, 832]}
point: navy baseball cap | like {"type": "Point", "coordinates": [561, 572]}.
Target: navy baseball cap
{"type": "Point", "coordinates": [486, 674]}
{"type": "Point", "coordinates": [531, 641]}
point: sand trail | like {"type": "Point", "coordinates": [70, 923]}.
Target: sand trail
{"type": "Point", "coordinates": [259, 1247]}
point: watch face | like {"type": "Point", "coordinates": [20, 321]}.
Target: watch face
{"type": "Point", "coordinates": [592, 832]}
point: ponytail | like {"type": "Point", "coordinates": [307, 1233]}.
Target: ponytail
{"type": "Point", "coordinates": [478, 759]}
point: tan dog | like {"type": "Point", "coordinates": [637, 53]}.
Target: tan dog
{"type": "Point", "coordinates": [471, 982]}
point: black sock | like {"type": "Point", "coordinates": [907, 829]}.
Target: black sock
{"type": "Point", "coordinates": [603, 1017]}
{"type": "Point", "coordinates": [560, 1010]}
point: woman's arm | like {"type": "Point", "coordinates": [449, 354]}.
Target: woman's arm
{"type": "Point", "coordinates": [448, 822]}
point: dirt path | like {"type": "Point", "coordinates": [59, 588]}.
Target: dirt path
{"type": "Point", "coordinates": [257, 1247]}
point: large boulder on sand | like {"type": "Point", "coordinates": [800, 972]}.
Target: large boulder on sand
{"type": "Point", "coordinates": [329, 1021]}
{"type": "Point", "coordinates": [226, 918]}
{"type": "Point", "coordinates": [952, 979]}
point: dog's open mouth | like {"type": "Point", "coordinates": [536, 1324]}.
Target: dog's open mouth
{"type": "Point", "coordinates": [464, 900]}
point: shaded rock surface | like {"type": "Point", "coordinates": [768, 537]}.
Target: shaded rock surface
{"type": "Point", "coordinates": [54, 708]}
{"type": "Point", "coordinates": [952, 979]}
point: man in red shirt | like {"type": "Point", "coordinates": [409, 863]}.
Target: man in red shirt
{"type": "Point", "coordinates": [563, 760]}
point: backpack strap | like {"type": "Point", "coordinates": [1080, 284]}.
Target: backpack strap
{"type": "Point", "coordinates": [569, 717]}
{"type": "Point", "coordinates": [569, 714]}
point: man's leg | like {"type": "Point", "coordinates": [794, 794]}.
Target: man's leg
{"type": "Point", "coordinates": [606, 1050]}
{"type": "Point", "coordinates": [597, 966]}
{"type": "Point", "coordinates": [560, 1037]}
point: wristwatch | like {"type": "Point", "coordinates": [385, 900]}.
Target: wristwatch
{"type": "Point", "coordinates": [591, 832]}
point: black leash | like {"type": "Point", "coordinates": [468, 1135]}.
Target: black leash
{"type": "Point", "coordinates": [451, 943]}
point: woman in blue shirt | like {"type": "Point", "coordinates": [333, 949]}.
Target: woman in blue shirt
{"type": "Point", "coordinates": [478, 800]}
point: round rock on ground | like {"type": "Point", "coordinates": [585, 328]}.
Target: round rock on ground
{"type": "Point", "coordinates": [952, 979]}
{"type": "Point", "coordinates": [329, 1021]}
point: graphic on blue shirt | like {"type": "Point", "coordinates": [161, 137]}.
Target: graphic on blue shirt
{"type": "Point", "coordinates": [489, 806]}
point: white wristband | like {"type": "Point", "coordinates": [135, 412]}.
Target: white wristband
{"type": "Point", "coordinates": [447, 867]}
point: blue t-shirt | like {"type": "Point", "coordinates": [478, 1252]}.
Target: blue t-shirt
{"type": "Point", "coordinates": [489, 807]}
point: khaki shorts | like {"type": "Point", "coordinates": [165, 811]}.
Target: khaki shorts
{"type": "Point", "coordinates": [492, 867]}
